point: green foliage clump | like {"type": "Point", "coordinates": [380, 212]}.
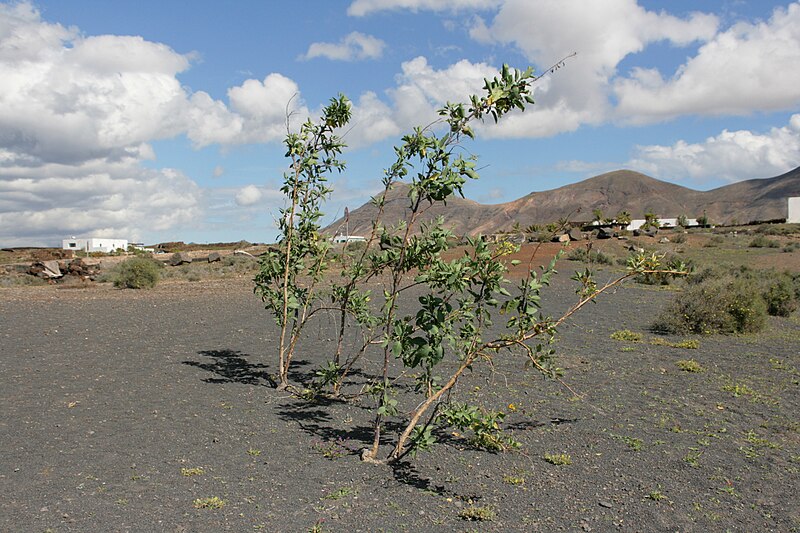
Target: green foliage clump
{"type": "Point", "coordinates": [214, 502]}
{"type": "Point", "coordinates": [688, 344]}
{"type": "Point", "coordinates": [778, 229]}
{"type": "Point", "coordinates": [477, 514]}
{"type": "Point", "coordinates": [781, 295]}
{"type": "Point", "coordinates": [690, 365]}
{"type": "Point", "coordinates": [727, 305]}
{"type": "Point", "coordinates": [760, 241]}
{"type": "Point", "coordinates": [780, 290]}
{"type": "Point", "coordinates": [485, 426]}
{"type": "Point", "coordinates": [136, 273]}
{"type": "Point", "coordinates": [596, 257]}
{"type": "Point", "coordinates": [626, 335]}
{"type": "Point", "coordinates": [671, 262]}
{"type": "Point", "coordinates": [558, 459]}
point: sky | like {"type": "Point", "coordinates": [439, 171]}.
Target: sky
{"type": "Point", "coordinates": [163, 120]}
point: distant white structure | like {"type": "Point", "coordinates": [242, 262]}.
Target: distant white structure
{"type": "Point", "coordinates": [348, 238]}
{"type": "Point", "coordinates": [637, 223]}
{"type": "Point", "coordinates": [794, 210]}
{"type": "Point", "coordinates": [94, 244]}
{"type": "Point", "coordinates": [141, 246]}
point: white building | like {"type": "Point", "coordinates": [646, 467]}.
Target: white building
{"type": "Point", "coordinates": [348, 238]}
{"type": "Point", "coordinates": [794, 210]}
{"type": "Point", "coordinates": [94, 245]}
{"type": "Point", "coordinates": [637, 223]}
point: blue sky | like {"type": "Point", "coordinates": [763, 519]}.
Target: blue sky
{"type": "Point", "coordinates": [163, 120]}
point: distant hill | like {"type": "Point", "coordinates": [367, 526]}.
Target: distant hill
{"type": "Point", "coordinates": [612, 192]}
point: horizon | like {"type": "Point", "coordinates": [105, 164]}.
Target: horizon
{"type": "Point", "coordinates": [161, 122]}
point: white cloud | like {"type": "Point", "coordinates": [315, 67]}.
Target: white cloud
{"type": "Point", "coordinates": [731, 155]}
{"type": "Point", "coordinates": [360, 8]}
{"type": "Point", "coordinates": [249, 195]}
{"type": "Point", "coordinates": [44, 204]}
{"type": "Point", "coordinates": [218, 171]}
{"type": "Point", "coordinates": [749, 67]}
{"type": "Point", "coordinates": [421, 89]}
{"type": "Point", "coordinates": [77, 115]}
{"type": "Point", "coordinates": [603, 34]}
{"type": "Point", "coordinates": [354, 46]}
{"type": "Point", "coordinates": [371, 121]}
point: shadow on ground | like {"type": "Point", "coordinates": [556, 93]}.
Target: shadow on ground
{"type": "Point", "coordinates": [231, 366]}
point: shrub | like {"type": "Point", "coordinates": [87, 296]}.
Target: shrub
{"type": "Point", "coordinates": [778, 229]}
{"type": "Point", "coordinates": [779, 290]}
{"type": "Point", "coordinates": [688, 344]}
{"type": "Point", "coordinates": [781, 296]}
{"type": "Point", "coordinates": [558, 459]}
{"type": "Point", "coordinates": [791, 247]}
{"type": "Point", "coordinates": [670, 262]}
{"type": "Point", "coordinates": [690, 365]}
{"type": "Point", "coordinates": [679, 238]}
{"type": "Point", "coordinates": [626, 335]}
{"type": "Point", "coordinates": [759, 241]}
{"type": "Point", "coordinates": [727, 305]}
{"type": "Point", "coordinates": [590, 256]}
{"type": "Point", "coordinates": [136, 273]}
{"type": "Point", "coordinates": [477, 514]}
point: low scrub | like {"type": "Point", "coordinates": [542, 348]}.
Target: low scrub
{"type": "Point", "coordinates": [136, 273]}
{"type": "Point", "coordinates": [590, 256]}
{"type": "Point", "coordinates": [760, 241]}
{"type": "Point", "coordinates": [727, 305]}
{"type": "Point", "coordinates": [780, 290]}
{"type": "Point", "coordinates": [690, 365]}
{"type": "Point", "coordinates": [626, 335]}
{"type": "Point", "coordinates": [670, 262]}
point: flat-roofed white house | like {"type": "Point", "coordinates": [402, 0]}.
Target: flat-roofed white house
{"type": "Point", "coordinates": [93, 244]}
{"type": "Point", "coordinates": [637, 223]}
{"type": "Point", "coordinates": [794, 210]}
{"type": "Point", "coordinates": [348, 238]}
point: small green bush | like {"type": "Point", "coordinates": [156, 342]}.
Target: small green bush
{"type": "Point", "coordinates": [136, 273]}
{"type": "Point", "coordinates": [670, 262]}
{"type": "Point", "coordinates": [626, 335]}
{"type": "Point", "coordinates": [760, 241]}
{"type": "Point", "coordinates": [778, 229]}
{"type": "Point", "coordinates": [477, 514]}
{"type": "Point", "coordinates": [779, 290]}
{"type": "Point", "coordinates": [590, 256]}
{"type": "Point", "coordinates": [678, 238]}
{"type": "Point", "coordinates": [791, 247]}
{"type": "Point", "coordinates": [727, 305]}
{"type": "Point", "coordinates": [690, 365]}
{"type": "Point", "coordinates": [781, 296]}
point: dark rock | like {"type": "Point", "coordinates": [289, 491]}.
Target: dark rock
{"type": "Point", "coordinates": [606, 233]}
{"type": "Point", "coordinates": [179, 258]}
{"type": "Point", "coordinates": [213, 257]}
{"type": "Point", "coordinates": [575, 234]}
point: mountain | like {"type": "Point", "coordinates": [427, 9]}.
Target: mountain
{"type": "Point", "coordinates": [612, 192]}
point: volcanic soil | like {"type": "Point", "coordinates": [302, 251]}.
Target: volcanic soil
{"type": "Point", "coordinates": [132, 410]}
